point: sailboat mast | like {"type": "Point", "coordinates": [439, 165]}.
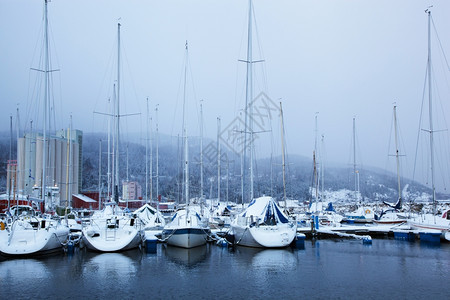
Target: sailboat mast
{"type": "Point", "coordinates": [10, 136]}
{"type": "Point", "coordinates": [186, 153]}
{"type": "Point", "coordinates": [430, 112]}
{"type": "Point", "coordinates": [69, 199]}
{"type": "Point", "coordinates": [316, 175]}
{"type": "Point", "coordinates": [157, 154]}
{"type": "Point", "coordinates": [248, 124]}
{"type": "Point", "coordinates": [109, 156]}
{"type": "Point", "coordinates": [186, 167]}
{"type": "Point", "coordinates": [17, 140]}
{"type": "Point", "coordinates": [116, 187]}
{"type": "Point", "coordinates": [218, 160]}
{"type": "Point", "coordinates": [315, 178]}
{"type": "Point", "coordinates": [397, 154]}
{"type": "Point", "coordinates": [228, 177]}
{"type": "Point", "coordinates": [113, 147]}
{"type": "Point", "coordinates": [16, 174]}
{"type": "Point", "coordinates": [46, 100]}
{"type": "Point", "coordinates": [146, 155]}
{"type": "Point", "coordinates": [283, 157]}
{"type": "Point", "coordinates": [9, 185]}
{"type": "Point", "coordinates": [354, 159]}
{"type": "Point", "coordinates": [201, 153]}
{"type": "Point", "coordinates": [242, 160]}
{"type": "Point", "coordinates": [250, 93]}
{"type": "Point", "coordinates": [322, 169]}
{"type": "Point", "coordinates": [127, 165]}
{"type": "Point", "coordinates": [100, 174]}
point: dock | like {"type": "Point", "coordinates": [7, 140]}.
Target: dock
{"type": "Point", "coordinates": [366, 232]}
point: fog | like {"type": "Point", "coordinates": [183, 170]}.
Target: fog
{"type": "Point", "coordinates": [332, 59]}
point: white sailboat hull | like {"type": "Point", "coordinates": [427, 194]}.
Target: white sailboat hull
{"type": "Point", "coordinates": [430, 222]}
{"type": "Point", "coordinates": [32, 241]}
{"type": "Point", "coordinates": [277, 236]}
{"type": "Point", "coordinates": [263, 225]}
{"type": "Point", "coordinates": [243, 237]}
{"type": "Point", "coordinates": [186, 230]}
{"type": "Point", "coordinates": [186, 237]}
{"type": "Point", "coordinates": [388, 222]}
{"type": "Point", "coordinates": [392, 218]}
{"type": "Point", "coordinates": [361, 215]}
{"type": "Point", "coordinates": [112, 240]}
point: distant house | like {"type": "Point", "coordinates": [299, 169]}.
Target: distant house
{"type": "Point", "coordinates": [131, 190]}
{"type": "Point", "coordinates": [80, 201]}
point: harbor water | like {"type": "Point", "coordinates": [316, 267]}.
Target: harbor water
{"type": "Point", "coordinates": [324, 269]}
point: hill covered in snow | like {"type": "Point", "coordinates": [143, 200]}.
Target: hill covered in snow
{"type": "Point", "coordinates": [338, 180]}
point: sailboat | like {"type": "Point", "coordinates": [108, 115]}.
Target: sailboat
{"type": "Point", "coordinates": [432, 221]}
{"type": "Point", "coordinates": [391, 215]}
{"type": "Point", "coordinates": [262, 223]}
{"type": "Point", "coordinates": [29, 233]}
{"type": "Point", "coordinates": [362, 214]}
{"type": "Point", "coordinates": [318, 209]}
{"type": "Point", "coordinates": [113, 229]}
{"type": "Point", "coordinates": [187, 229]}
{"type": "Point", "coordinates": [152, 219]}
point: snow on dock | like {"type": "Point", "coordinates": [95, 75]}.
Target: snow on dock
{"type": "Point", "coordinates": [367, 239]}
{"type": "Point", "coordinates": [367, 231]}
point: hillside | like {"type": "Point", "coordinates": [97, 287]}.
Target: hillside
{"type": "Point", "coordinates": [375, 184]}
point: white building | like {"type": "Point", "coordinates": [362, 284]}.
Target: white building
{"type": "Point", "coordinates": [63, 163]}
{"type": "Point", "coordinates": [131, 190]}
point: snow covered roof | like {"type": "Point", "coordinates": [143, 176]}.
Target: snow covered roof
{"type": "Point", "coordinates": [85, 198]}
{"type": "Point", "coordinates": [19, 197]}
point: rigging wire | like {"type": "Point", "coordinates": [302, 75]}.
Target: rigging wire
{"type": "Point", "coordinates": [440, 44]}
{"type": "Point", "coordinates": [35, 89]}
{"type": "Point", "coordinates": [133, 86]}
{"type": "Point", "coordinates": [60, 106]}
{"type": "Point", "coordinates": [264, 84]}
{"type": "Point", "coordinates": [387, 162]}
{"type": "Point", "coordinates": [420, 122]}
{"type": "Point", "coordinates": [108, 78]}
{"type": "Point", "coordinates": [175, 111]}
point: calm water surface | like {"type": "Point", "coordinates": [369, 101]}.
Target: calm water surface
{"type": "Point", "coordinates": [335, 269]}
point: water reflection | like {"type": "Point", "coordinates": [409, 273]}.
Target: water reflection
{"type": "Point", "coordinates": [430, 245]}
{"type": "Point", "coordinates": [276, 259]}
{"type": "Point", "coordinates": [111, 265]}
{"type": "Point", "coordinates": [25, 269]}
{"type": "Point", "coordinates": [186, 257]}
{"type": "Point", "coordinates": [343, 266]}
{"type": "Point", "coordinates": [268, 259]}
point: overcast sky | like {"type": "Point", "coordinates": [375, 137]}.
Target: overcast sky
{"type": "Point", "coordinates": [338, 58]}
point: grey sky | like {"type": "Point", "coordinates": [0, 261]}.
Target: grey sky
{"type": "Point", "coordinates": [338, 58]}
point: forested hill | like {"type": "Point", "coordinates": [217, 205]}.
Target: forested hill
{"type": "Point", "coordinates": [375, 184]}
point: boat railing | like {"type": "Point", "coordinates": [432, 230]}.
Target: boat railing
{"type": "Point", "coordinates": [92, 223]}
{"type": "Point", "coordinates": [132, 222]}
{"type": "Point", "coordinates": [32, 221]}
